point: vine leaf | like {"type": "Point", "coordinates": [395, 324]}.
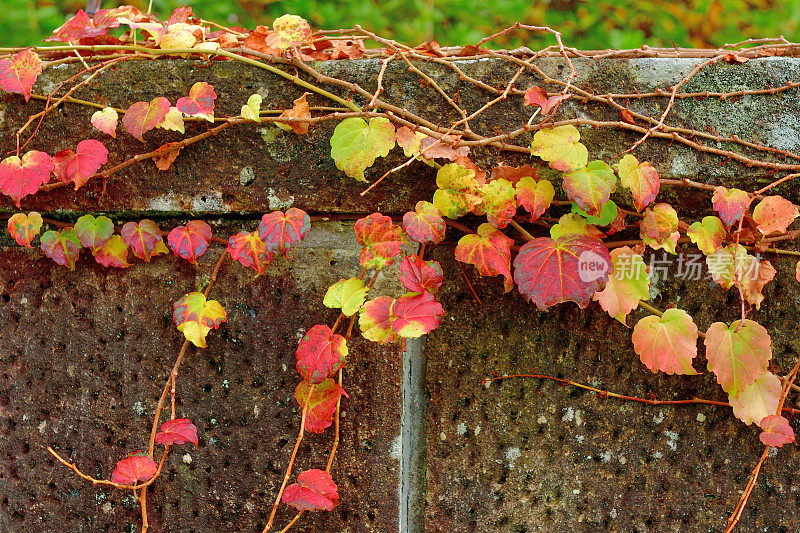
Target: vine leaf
{"type": "Point", "coordinates": [458, 191]}
{"type": "Point", "coordinates": [375, 320]}
{"type": "Point", "coordinates": [731, 264]}
{"type": "Point", "coordinates": [737, 354]}
{"type": "Point", "coordinates": [659, 228]}
{"type": "Point", "coordinates": [570, 268]}
{"type": "Point", "coordinates": [416, 314]}
{"type": "Point", "coordinates": [137, 466]}
{"type": "Point", "coordinates": [607, 215]}
{"type": "Point", "coordinates": [314, 491]}
{"type": "Point", "coordinates": [534, 196]}
{"type": "Point", "coordinates": [797, 271]}
{"type": "Point", "coordinates": [18, 74]}
{"type": "Point", "coordinates": [142, 117]}
{"type": "Point", "coordinates": [77, 167]}
{"type": "Point", "coordinates": [424, 224]}
{"type": "Point", "coordinates": [356, 144]}
{"type": "Point", "coordinates": [574, 223]}
{"type": "Point", "coordinates": [190, 241]}
{"type": "Point", "coordinates": [773, 214]}
{"type": "Point", "coordinates": [166, 154]}
{"type": "Point", "coordinates": [499, 202]}
{"type": "Point", "coordinates": [380, 238]}
{"type": "Point", "coordinates": [443, 148]}
{"type": "Point", "coordinates": [173, 121]}
{"type": "Point", "coordinates": [515, 174]}
{"type": "Point", "coordinates": [24, 228]}
{"type": "Point", "coordinates": [21, 177]}
{"type": "Point", "coordinates": [112, 253]}
{"type": "Point", "coordinates": [252, 110]}
{"type": "Point", "coordinates": [591, 186]}
{"type": "Point", "coordinates": [628, 284]}
{"type": "Point", "coordinates": [321, 352]}
{"type": "Point", "coordinates": [94, 232]}
{"type": "Point", "coordinates": [489, 250]}
{"type": "Point", "coordinates": [708, 234]}
{"type": "Point", "coordinates": [289, 31]}
{"type": "Point", "coordinates": [667, 343]}
{"type": "Point", "coordinates": [641, 178]}
{"type": "Point", "coordinates": [200, 102]}
{"type": "Point", "coordinates": [418, 275]}
{"type": "Point", "coordinates": [321, 405]}
{"type": "Point", "coordinates": [144, 239]}
{"type": "Point", "coordinates": [281, 231]}
{"type": "Point", "coordinates": [195, 317]}
{"type": "Point", "coordinates": [346, 294]}
{"type": "Point", "coordinates": [538, 97]}
{"type": "Point", "coordinates": [300, 109]}
{"type": "Point", "coordinates": [177, 431]}
{"type": "Point", "coordinates": [249, 250]}
{"type": "Point", "coordinates": [63, 246]}
{"type": "Point", "coordinates": [731, 204]}
{"type": "Point", "coordinates": [561, 148]}
{"type": "Point", "coordinates": [757, 401]}
{"type": "Point", "coordinates": [776, 431]}
{"type": "Point", "coordinates": [106, 120]}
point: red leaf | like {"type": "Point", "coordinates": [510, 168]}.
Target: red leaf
{"type": "Point", "coordinates": [731, 204]}
{"type": "Point", "coordinates": [144, 239]}
{"type": "Point", "coordinates": [322, 404]}
{"type": "Point", "coordinates": [190, 241]}
{"type": "Point", "coordinates": [776, 431]}
{"type": "Point", "coordinates": [78, 167]}
{"type": "Point", "coordinates": [249, 250]}
{"type": "Point", "coordinates": [627, 116]}
{"type": "Point", "coordinates": [200, 102]}
{"type": "Point", "coordinates": [178, 431]}
{"type": "Point", "coordinates": [281, 231]}
{"type": "Point", "coordinates": [321, 353]}
{"type": "Point", "coordinates": [489, 250]}
{"type": "Point", "coordinates": [18, 74]}
{"type": "Point", "coordinates": [63, 246]}
{"type": "Point", "coordinates": [314, 491]}
{"type": "Point", "coordinates": [113, 253]}
{"type": "Point", "coordinates": [514, 174]}
{"type": "Point", "coordinates": [416, 314]}
{"type": "Point", "coordinates": [424, 224]}
{"type": "Point", "coordinates": [21, 177]}
{"type": "Point", "coordinates": [137, 466]}
{"type": "Point", "coordinates": [25, 227]}
{"type": "Point", "coordinates": [181, 15]}
{"type": "Point", "coordinates": [380, 238]}
{"type": "Point", "coordinates": [417, 275]}
{"type": "Point", "coordinates": [76, 28]}
{"type": "Point", "coordinates": [538, 97]}
{"type": "Point", "coordinates": [142, 117]}
{"type": "Point", "coordinates": [570, 268]}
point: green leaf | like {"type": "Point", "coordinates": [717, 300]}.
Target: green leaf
{"type": "Point", "coordinates": [347, 295]}
{"type": "Point", "coordinates": [627, 285]}
{"type": "Point", "coordinates": [252, 110]}
{"type": "Point", "coordinates": [737, 354]}
{"type": "Point", "coordinates": [499, 203]}
{"type": "Point", "coordinates": [606, 216]}
{"type": "Point", "coordinates": [356, 144]}
{"type": "Point", "coordinates": [708, 234]}
{"type": "Point", "coordinates": [560, 148]}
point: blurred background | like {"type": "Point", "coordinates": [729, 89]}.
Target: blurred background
{"type": "Point", "coordinates": [585, 24]}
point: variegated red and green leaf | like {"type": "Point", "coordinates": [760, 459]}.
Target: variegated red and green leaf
{"type": "Point", "coordinates": [25, 227]}
{"type": "Point", "coordinates": [641, 178]}
{"type": "Point", "coordinates": [380, 238]}
{"type": "Point", "coordinates": [199, 103]}
{"type": "Point", "coordinates": [499, 202]}
{"type": "Point", "coordinates": [708, 234]}
{"type": "Point", "coordinates": [196, 317]}
{"type": "Point", "coordinates": [591, 186]}
{"type": "Point", "coordinates": [190, 241]}
{"type": "Point", "coordinates": [757, 401]}
{"type": "Point", "coordinates": [249, 250]}
{"type": "Point", "coordinates": [489, 250]}
{"type": "Point", "coordinates": [94, 232]}
{"type": "Point", "coordinates": [424, 224]}
{"type": "Point", "coordinates": [321, 352]}
{"type": "Point", "coordinates": [63, 246]}
{"type": "Point", "coordinates": [458, 191]}
{"type": "Point", "coordinates": [627, 286]}
{"type": "Point", "coordinates": [106, 120]}
{"type": "Point", "coordinates": [280, 231]}
{"type": "Point", "coordinates": [321, 403]}
{"type": "Point", "coordinates": [737, 354]}
{"type": "Point", "coordinates": [659, 228]}
{"type": "Point", "coordinates": [144, 239]}
{"type": "Point", "coordinates": [112, 253]}
{"type": "Point", "coordinates": [667, 343]}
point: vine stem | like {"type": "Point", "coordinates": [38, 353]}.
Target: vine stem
{"type": "Point", "coordinates": [523, 231]}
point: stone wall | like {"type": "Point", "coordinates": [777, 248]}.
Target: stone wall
{"type": "Point", "coordinates": [425, 443]}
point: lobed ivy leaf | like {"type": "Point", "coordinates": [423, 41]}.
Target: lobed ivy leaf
{"type": "Point", "coordinates": [299, 109]}
{"type": "Point", "coordinates": [667, 343]}
{"type": "Point", "coordinates": [731, 204]}
{"type": "Point", "coordinates": [418, 275]}
{"type": "Point", "coordinates": [94, 232]}
{"type": "Point", "coordinates": [561, 148]}
{"type": "Point", "coordinates": [773, 214]}
{"type": "Point", "coordinates": [607, 215]}
{"type": "Point", "coordinates": [281, 231]}
{"type": "Point", "coordinates": [106, 120]}
{"type": "Point", "coordinates": [144, 239]}
{"type": "Point", "coordinates": [499, 202]}
{"type": "Point", "coordinates": [78, 167]}
{"type": "Point", "coordinates": [380, 238]}
{"type": "Point", "coordinates": [356, 144]}
{"type": "Point", "coordinates": [137, 466]}
{"type": "Point", "coordinates": [178, 36]}
{"type": "Point", "coordinates": [758, 400]}
{"type": "Point", "coordinates": [534, 196]}
{"type": "Point", "coordinates": [177, 431]}
{"type": "Point", "coordinates": [708, 234]}
{"type": "Point", "coordinates": [591, 186]}
{"type": "Point", "coordinates": [776, 431]}
{"type": "Point", "coordinates": [200, 102]}
{"type": "Point", "coordinates": [733, 264]}
{"type": "Point", "coordinates": [112, 253]}
{"type": "Point", "coordinates": [515, 174]}
{"type": "Point", "coordinates": [249, 250]}
{"type": "Point", "coordinates": [289, 31]}
{"type": "Point", "coordinates": [416, 314]}
{"type": "Point", "coordinates": [63, 246]}
{"type": "Point", "coordinates": [321, 352]}
{"type": "Point", "coordinates": [489, 250]}
{"type": "Point", "coordinates": [252, 110]}
{"type": "Point", "coordinates": [641, 178]}
{"type": "Point", "coordinates": [346, 294]}
{"type": "Point", "coordinates": [659, 228]}
{"type": "Point", "coordinates": [574, 223]}
{"type": "Point", "coordinates": [628, 284]}
{"type": "Point", "coordinates": [375, 320]}
{"type": "Point", "coordinates": [458, 191]}
{"type": "Point", "coordinates": [21, 177]}
{"type": "Point", "coordinates": [190, 241]}
{"type": "Point", "coordinates": [321, 404]}
{"type": "Point", "coordinates": [18, 74]}
{"type": "Point", "coordinates": [195, 317]}
{"type": "Point", "coordinates": [314, 491]}
{"type": "Point", "coordinates": [424, 224]}
{"type": "Point", "coordinates": [173, 121]}
{"type": "Point", "coordinates": [24, 228]}
{"type": "Point", "coordinates": [538, 97]}
{"type": "Point", "coordinates": [142, 117]}
{"type": "Point", "coordinates": [737, 354]}
{"type": "Point", "coordinates": [569, 268]}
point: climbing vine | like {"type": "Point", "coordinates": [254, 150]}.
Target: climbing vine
{"type": "Point", "coordinates": [564, 207]}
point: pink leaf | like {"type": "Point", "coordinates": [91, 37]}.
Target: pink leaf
{"type": "Point", "coordinates": [78, 167]}
{"type": "Point", "coordinates": [776, 431]}
{"type": "Point", "coordinates": [137, 466]}
{"type": "Point", "coordinates": [314, 491]}
{"type": "Point", "coordinates": [200, 102]}
{"type": "Point", "coordinates": [280, 231]}
{"type": "Point", "coordinates": [21, 177]}
{"type": "Point", "coordinates": [417, 275]}
{"type": "Point", "coordinates": [142, 117]}
{"type": "Point", "coordinates": [18, 74]}
{"type": "Point", "coordinates": [190, 241]}
{"type": "Point", "coordinates": [321, 352]}
{"type": "Point", "coordinates": [144, 239]}
{"type": "Point", "coordinates": [178, 431]}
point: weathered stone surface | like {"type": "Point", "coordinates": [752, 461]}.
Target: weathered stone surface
{"type": "Point", "coordinates": [84, 355]}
